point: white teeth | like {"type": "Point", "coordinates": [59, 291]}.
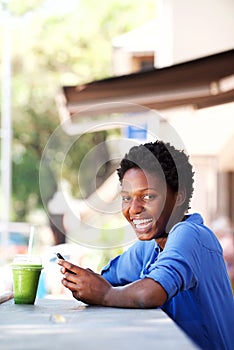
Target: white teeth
{"type": "Point", "coordinates": [141, 222]}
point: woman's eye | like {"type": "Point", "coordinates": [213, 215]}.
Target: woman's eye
{"type": "Point", "coordinates": [148, 197]}
{"type": "Point", "coordinates": [126, 199]}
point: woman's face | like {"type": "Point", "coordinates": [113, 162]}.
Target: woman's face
{"type": "Point", "coordinates": [147, 203]}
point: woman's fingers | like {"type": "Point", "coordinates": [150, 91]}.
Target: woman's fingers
{"type": "Point", "coordinates": [67, 266]}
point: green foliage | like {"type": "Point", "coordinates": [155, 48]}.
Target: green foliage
{"type": "Point", "coordinates": [25, 179]}
{"type": "Point", "coordinates": [21, 7]}
{"type": "Point", "coordinates": [57, 43]}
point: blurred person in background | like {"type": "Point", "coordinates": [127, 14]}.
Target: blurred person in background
{"type": "Point", "coordinates": [224, 230]}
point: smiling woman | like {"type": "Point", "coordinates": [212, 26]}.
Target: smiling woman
{"type": "Point", "coordinates": [147, 204]}
{"type": "Point", "coordinates": [154, 192]}
{"type": "Point", "coordinates": [174, 263]}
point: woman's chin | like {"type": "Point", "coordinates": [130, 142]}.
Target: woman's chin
{"type": "Point", "coordinates": [144, 236]}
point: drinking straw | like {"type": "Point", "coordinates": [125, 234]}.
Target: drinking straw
{"type": "Point", "coordinates": [30, 242]}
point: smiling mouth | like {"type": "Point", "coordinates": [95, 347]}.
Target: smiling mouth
{"type": "Point", "coordinates": [142, 224]}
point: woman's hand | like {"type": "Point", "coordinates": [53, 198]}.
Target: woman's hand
{"type": "Point", "coordinates": [91, 288]}
{"type": "Point", "coordinates": [85, 285]}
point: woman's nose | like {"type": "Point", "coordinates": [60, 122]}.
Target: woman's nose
{"type": "Point", "coordinates": [136, 206]}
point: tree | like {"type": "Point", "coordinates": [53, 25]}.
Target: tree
{"type": "Point", "coordinates": [54, 47]}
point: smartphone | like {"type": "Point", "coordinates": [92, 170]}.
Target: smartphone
{"type": "Point", "coordinates": [59, 256]}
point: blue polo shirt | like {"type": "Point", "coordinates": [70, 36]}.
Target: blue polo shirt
{"type": "Point", "coordinates": [192, 271]}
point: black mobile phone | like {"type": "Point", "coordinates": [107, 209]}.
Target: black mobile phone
{"type": "Point", "coordinates": [61, 257]}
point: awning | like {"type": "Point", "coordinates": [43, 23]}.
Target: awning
{"type": "Point", "coordinates": [203, 82]}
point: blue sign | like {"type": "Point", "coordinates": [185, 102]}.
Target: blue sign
{"type": "Point", "coordinates": [134, 132]}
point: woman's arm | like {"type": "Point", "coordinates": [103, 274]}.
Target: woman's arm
{"type": "Point", "coordinates": [91, 288]}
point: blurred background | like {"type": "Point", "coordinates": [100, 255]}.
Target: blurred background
{"type": "Point", "coordinates": [92, 78]}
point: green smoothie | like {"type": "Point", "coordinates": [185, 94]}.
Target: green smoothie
{"type": "Point", "coordinates": [26, 276]}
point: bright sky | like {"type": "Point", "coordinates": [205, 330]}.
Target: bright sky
{"type": "Point", "coordinates": [59, 7]}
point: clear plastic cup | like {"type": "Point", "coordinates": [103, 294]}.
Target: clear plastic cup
{"type": "Point", "coordinates": [26, 273]}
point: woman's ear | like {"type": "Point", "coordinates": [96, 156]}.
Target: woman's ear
{"type": "Point", "coordinates": [181, 196]}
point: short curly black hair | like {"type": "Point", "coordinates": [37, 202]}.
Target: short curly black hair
{"type": "Point", "coordinates": [161, 157]}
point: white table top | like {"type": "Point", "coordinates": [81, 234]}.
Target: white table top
{"type": "Point", "coordinates": [69, 324]}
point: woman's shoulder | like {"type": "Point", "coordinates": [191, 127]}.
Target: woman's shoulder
{"type": "Point", "coordinates": [199, 233]}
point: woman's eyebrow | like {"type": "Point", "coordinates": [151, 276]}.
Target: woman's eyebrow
{"type": "Point", "coordinates": [140, 190]}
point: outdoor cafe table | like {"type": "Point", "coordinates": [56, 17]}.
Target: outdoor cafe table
{"type": "Point", "coordinates": [68, 324]}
